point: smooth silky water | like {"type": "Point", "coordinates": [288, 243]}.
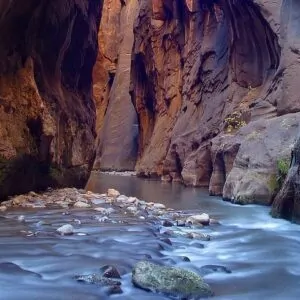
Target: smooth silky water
{"type": "Point", "coordinates": [262, 253]}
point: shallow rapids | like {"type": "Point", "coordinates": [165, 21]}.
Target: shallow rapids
{"type": "Point", "coordinates": [36, 263]}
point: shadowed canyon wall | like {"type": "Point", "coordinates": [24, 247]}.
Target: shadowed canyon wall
{"type": "Point", "coordinates": [214, 87]}
{"type": "Point", "coordinates": [47, 53]}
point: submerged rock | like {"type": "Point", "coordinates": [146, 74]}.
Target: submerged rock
{"type": "Point", "coordinates": [110, 272]}
{"type": "Point", "coordinates": [169, 280]}
{"type": "Point", "coordinates": [208, 269]}
{"type": "Point", "coordinates": [21, 218]}
{"type": "Point", "coordinates": [114, 286]}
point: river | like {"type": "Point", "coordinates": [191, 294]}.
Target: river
{"type": "Point", "coordinates": [262, 253]}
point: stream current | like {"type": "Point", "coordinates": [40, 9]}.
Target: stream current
{"type": "Point", "coordinates": [262, 253]}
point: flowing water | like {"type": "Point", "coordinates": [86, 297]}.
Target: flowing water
{"type": "Point", "coordinates": [262, 253]}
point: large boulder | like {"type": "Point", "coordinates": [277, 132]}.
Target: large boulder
{"type": "Point", "coordinates": [169, 280]}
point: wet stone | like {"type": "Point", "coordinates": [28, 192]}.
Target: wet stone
{"type": "Point", "coordinates": [208, 269]}
{"type": "Point", "coordinates": [113, 290]}
{"type": "Point", "coordinates": [97, 279]}
{"type": "Point", "coordinates": [185, 258]}
{"type": "Point", "coordinates": [110, 272]}
{"type": "Point", "coordinates": [198, 219]}
{"type": "Point", "coordinates": [167, 223]}
{"type": "Point", "coordinates": [175, 282]}
{"type": "Point", "coordinates": [167, 241]}
{"type": "Point", "coordinates": [198, 236]}
{"type": "Point", "coordinates": [66, 229]}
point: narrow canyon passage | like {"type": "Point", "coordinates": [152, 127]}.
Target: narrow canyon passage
{"type": "Point", "coordinates": [149, 149]}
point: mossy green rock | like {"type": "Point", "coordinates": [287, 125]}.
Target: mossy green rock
{"type": "Point", "coordinates": [169, 280]}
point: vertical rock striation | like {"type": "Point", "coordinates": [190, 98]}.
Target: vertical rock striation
{"type": "Point", "coordinates": [117, 126]}
{"type": "Point", "coordinates": [47, 53]}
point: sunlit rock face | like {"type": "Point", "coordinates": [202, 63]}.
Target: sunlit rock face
{"type": "Point", "coordinates": [201, 71]}
{"type": "Point", "coordinates": [47, 52]}
{"type": "Point", "coordinates": [117, 127]}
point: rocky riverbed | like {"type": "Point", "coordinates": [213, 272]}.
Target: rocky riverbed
{"type": "Point", "coordinates": [76, 211]}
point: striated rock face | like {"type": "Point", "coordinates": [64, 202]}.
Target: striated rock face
{"type": "Point", "coordinates": [47, 52]}
{"type": "Point", "coordinates": [199, 92]}
{"type": "Point", "coordinates": [214, 84]}
{"type": "Point", "coordinates": [117, 126]}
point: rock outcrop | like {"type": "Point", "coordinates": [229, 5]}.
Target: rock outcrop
{"type": "Point", "coordinates": [47, 53]}
{"type": "Point", "coordinates": [214, 87]}
{"type": "Point", "coordinates": [174, 282]}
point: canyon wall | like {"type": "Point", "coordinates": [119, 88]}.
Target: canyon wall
{"type": "Point", "coordinates": [47, 53]}
{"type": "Point", "coordinates": [116, 116]}
{"type": "Point", "coordinates": [214, 89]}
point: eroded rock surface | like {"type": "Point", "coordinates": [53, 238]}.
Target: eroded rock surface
{"type": "Point", "coordinates": [47, 113]}
{"type": "Point", "coordinates": [212, 84]}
